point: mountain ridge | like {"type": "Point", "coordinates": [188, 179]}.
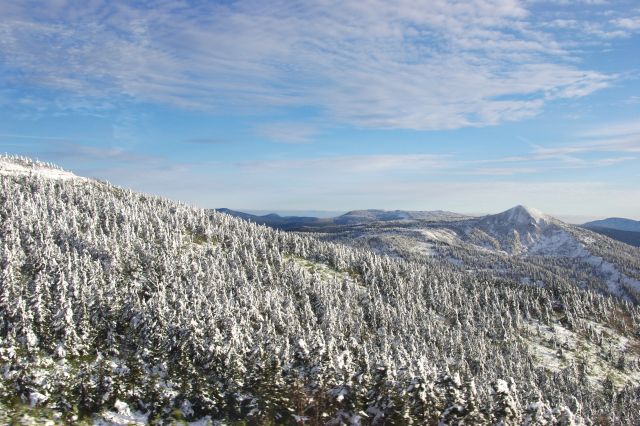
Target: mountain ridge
{"type": "Point", "coordinates": [522, 232]}
{"type": "Point", "coordinates": [619, 223]}
{"type": "Point", "coordinates": [354, 217]}
{"type": "Point", "coordinates": [627, 237]}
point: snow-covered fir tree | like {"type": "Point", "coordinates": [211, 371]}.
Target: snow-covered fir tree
{"type": "Point", "coordinates": [113, 301]}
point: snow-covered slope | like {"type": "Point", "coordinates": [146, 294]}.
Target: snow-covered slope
{"type": "Point", "coordinates": [17, 166]}
{"type": "Point", "coordinates": [122, 307]}
{"type": "Point", "coordinates": [522, 230]}
{"type": "Point", "coordinates": [521, 242]}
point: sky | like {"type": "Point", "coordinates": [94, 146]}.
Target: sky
{"type": "Point", "coordinates": [471, 106]}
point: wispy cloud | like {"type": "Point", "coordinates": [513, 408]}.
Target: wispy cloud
{"type": "Point", "coordinates": [354, 163]}
{"type": "Point", "coordinates": [288, 132]}
{"type": "Point", "coordinates": [68, 151]}
{"type": "Point", "coordinates": [10, 136]}
{"type": "Point", "coordinates": [207, 141]}
{"type": "Point", "coordinates": [618, 139]}
{"type": "Point", "coordinates": [406, 64]}
{"type": "Point", "coordinates": [603, 146]}
{"type": "Point", "coordinates": [538, 160]}
{"type": "Point", "coordinates": [616, 129]}
{"type": "Point", "coordinates": [501, 171]}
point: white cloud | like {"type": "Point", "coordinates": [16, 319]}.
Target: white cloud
{"type": "Point", "coordinates": [614, 129]}
{"type": "Point", "coordinates": [419, 65]}
{"type": "Point", "coordinates": [617, 25]}
{"type": "Point", "coordinates": [632, 23]}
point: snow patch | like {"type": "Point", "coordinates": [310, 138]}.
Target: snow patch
{"type": "Point", "coordinates": [562, 244]}
{"type": "Point", "coordinates": [439, 234]}
{"type": "Point", "coordinates": [12, 168]}
{"type": "Point", "coordinates": [426, 248]}
{"type": "Point", "coordinates": [556, 243]}
{"type": "Point", "coordinates": [615, 279]}
{"type": "Point", "coordinates": [523, 214]}
{"type": "Point", "coordinates": [555, 347]}
{"type": "Point", "coordinates": [122, 416]}
{"type": "Point", "coordinates": [36, 398]}
{"type": "Point", "coordinates": [455, 261]}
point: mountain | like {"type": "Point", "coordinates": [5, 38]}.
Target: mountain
{"type": "Point", "coordinates": [625, 230]}
{"type": "Point", "coordinates": [519, 229]}
{"type": "Point", "coordinates": [515, 240]}
{"type": "Point", "coordinates": [355, 217]}
{"type": "Point", "coordinates": [519, 216]}
{"type": "Point", "coordinates": [119, 307]}
{"type": "Point", "coordinates": [277, 221]}
{"type": "Point", "coordinates": [521, 243]}
{"type": "Point", "coordinates": [618, 223]}
{"type": "Point", "coordinates": [628, 237]}
{"type": "Point", "coordinates": [369, 216]}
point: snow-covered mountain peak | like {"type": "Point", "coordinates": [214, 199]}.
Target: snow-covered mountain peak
{"type": "Point", "coordinates": [523, 229]}
{"type": "Point", "coordinates": [521, 215]}
{"type": "Point", "coordinates": [524, 215]}
{"type": "Point", "coordinates": [17, 166]}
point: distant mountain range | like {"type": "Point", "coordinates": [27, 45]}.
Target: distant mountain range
{"type": "Point", "coordinates": [618, 223]}
{"type": "Point", "coordinates": [355, 217]}
{"type": "Point", "coordinates": [625, 230]}
{"type": "Point", "coordinates": [277, 221]}
{"type": "Point", "coordinates": [520, 243]}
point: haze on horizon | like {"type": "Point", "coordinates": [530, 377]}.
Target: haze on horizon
{"type": "Point", "coordinates": [471, 106]}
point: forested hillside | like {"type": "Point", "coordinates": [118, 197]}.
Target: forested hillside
{"type": "Point", "coordinates": [118, 307]}
{"type": "Point", "coordinates": [520, 245]}
{"type": "Point", "coordinates": [627, 237]}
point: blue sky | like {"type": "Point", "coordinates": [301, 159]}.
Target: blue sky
{"type": "Point", "coordinates": [471, 106]}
